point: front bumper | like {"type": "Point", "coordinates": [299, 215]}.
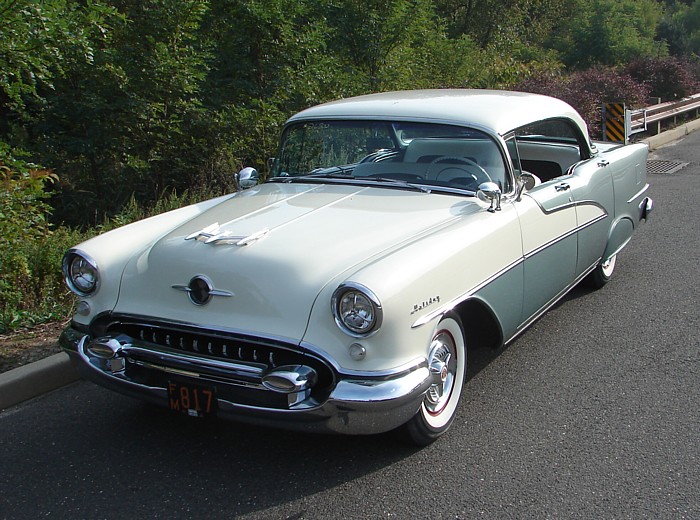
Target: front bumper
{"type": "Point", "coordinates": [356, 404]}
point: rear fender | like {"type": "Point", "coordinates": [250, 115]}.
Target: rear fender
{"type": "Point", "coordinates": [620, 235]}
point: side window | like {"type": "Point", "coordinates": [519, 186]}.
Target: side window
{"type": "Point", "coordinates": [549, 148]}
{"type": "Point", "coordinates": [554, 129]}
{"type": "Point", "coordinates": [514, 155]}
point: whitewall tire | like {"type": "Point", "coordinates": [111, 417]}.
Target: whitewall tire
{"type": "Point", "coordinates": [447, 362]}
{"type": "Point", "coordinates": [602, 273]}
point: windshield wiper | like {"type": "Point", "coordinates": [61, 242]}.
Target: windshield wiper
{"type": "Point", "coordinates": [403, 184]}
{"type": "Point", "coordinates": [333, 172]}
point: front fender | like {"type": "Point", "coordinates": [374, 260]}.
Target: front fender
{"type": "Point", "coordinates": [421, 281]}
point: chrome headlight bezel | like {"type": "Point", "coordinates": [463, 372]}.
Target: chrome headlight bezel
{"type": "Point", "coordinates": [357, 310]}
{"type": "Point", "coordinates": [81, 273]}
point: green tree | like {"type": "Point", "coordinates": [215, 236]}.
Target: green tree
{"type": "Point", "coordinates": [42, 40]}
{"type": "Point", "coordinates": [131, 121]}
{"type": "Point", "coordinates": [672, 29]}
{"type": "Point", "coordinates": [691, 23]}
{"type": "Point", "coordinates": [502, 22]}
{"type": "Point", "coordinates": [367, 33]}
{"type": "Point", "coordinates": [608, 32]}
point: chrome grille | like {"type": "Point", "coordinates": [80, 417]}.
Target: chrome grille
{"type": "Point", "coordinates": [208, 346]}
{"type": "Point", "coordinates": [260, 353]}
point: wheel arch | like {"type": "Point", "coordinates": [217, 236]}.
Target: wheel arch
{"type": "Point", "coordinates": [620, 234]}
{"type": "Point", "coordinates": [481, 327]}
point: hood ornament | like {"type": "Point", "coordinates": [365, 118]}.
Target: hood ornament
{"type": "Point", "coordinates": [214, 235]}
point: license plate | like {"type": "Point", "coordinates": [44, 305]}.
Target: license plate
{"type": "Point", "coordinates": [192, 400]}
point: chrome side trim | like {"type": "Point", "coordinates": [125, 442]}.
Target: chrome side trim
{"type": "Point", "coordinates": [638, 194]}
{"type": "Point", "coordinates": [463, 297]}
{"type": "Point", "coordinates": [524, 325]}
{"type": "Point", "coordinates": [549, 244]}
{"type": "Point", "coordinates": [592, 221]}
{"type": "Point", "coordinates": [592, 203]}
{"type": "Point", "coordinates": [567, 205]}
{"type": "Point", "coordinates": [468, 294]}
{"type": "Point", "coordinates": [565, 235]}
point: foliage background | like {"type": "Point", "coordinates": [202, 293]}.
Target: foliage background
{"type": "Point", "coordinates": [111, 110]}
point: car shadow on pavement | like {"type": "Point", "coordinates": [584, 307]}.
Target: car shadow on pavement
{"type": "Point", "coordinates": [111, 453]}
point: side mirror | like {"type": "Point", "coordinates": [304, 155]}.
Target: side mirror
{"type": "Point", "coordinates": [247, 178]}
{"type": "Point", "coordinates": [490, 192]}
{"type": "Point", "coordinates": [526, 181]}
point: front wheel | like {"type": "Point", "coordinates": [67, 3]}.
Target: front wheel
{"type": "Point", "coordinates": [447, 362]}
{"type": "Point", "coordinates": [602, 273]}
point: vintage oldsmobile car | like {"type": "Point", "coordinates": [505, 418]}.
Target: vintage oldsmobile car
{"type": "Point", "coordinates": [394, 231]}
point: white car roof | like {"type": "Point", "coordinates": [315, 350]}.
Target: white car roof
{"type": "Point", "coordinates": [498, 110]}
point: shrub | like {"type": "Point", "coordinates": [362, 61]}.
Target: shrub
{"type": "Point", "coordinates": [32, 290]}
{"type": "Point", "coordinates": [667, 78]}
{"type": "Point", "coordinates": [587, 90]}
{"type": "Point", "coordinates": [29, 269]}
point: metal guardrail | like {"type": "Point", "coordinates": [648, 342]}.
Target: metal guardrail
{"type": "Point", "coordinates": [641, 119]}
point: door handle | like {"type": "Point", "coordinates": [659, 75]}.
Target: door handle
{"type": "Point", "coordinates": [603, 163]}
{"type": "Point", "coordinates": [562, 187]}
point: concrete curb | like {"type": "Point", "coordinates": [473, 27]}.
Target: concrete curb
{"type": "Point", "coordinates": [34, 379]}
{"type": "Point", "coordinates": [656, 141]}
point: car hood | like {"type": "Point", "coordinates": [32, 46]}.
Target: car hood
{"type": "Point", "coordinates": [269, 251]}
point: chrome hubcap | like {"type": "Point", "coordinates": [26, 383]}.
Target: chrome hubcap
{"type": "Point", "coordinates": [609, 266]}
{"type": "Point", "coordinates": [443, 366]}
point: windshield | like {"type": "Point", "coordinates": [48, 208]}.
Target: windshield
{"type": "Point", "coordinates": [418, 153]}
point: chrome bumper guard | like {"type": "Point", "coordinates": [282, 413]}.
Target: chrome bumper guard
{"type": "Point", "coordinates": [646, 207]}
{"type": "Point", "coordinates": [357, 404]}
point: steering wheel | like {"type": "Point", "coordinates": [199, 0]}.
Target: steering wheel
{"type": "Point", "coordinates": [479, 177]}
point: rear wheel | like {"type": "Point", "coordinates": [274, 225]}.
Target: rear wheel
{"type": "Point", "coordinates": [447, 362]}
{"type": "Point", "coordinates": [602, 273]}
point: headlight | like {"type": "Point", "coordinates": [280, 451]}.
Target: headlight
{"type": "Point", "coordinates": [80, 272]}
{"type": "Point", "coordinates": [356, 309]}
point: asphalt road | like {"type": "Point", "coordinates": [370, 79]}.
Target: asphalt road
{"type": "Point", "coordinates": [592, 413]}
